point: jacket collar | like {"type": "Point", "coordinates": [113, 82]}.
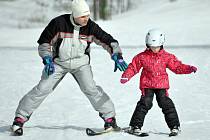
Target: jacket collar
{"type": "Point", "coordinates": [73, 23]}
{"type": "Point", "coordinates": [149, 51]}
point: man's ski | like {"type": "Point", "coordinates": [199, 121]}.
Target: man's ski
{"type": "Point", "coordinates": [91, 132]}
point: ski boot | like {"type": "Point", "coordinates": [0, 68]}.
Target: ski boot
{"type": "Point", "coordinates": [110, 123]}
{"type": "Point", "coordinates": [174, 131]}
{"type": "Point", "coordinates": [135, 130]}
{"type": "Point", "coordinates": [17, 126]}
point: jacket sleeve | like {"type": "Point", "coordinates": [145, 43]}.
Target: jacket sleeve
{"type": "Point", "coordinates": [177, 66]}
{"type": "Point", "coordinates": [133, 68]}
{"type": "Point", "coordinates": [100, 37]}
{"type": "Point", "coordinates": [46, 39]}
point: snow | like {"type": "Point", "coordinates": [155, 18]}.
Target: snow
{"type": "Point", "coordinates": [67, 112]}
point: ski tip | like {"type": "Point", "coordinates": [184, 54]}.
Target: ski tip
{"type": "Point", "coordinates": [90, 132]}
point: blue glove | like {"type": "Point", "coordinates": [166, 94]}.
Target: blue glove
{"type": "Point", "coordinates": [49, 65]}
{"type": "Point", "coordinates": [119, 62]}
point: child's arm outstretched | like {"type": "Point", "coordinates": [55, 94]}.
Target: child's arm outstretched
{"type": "Point", "coordinates": [133, 69]}
{"type": "Point", "coordinates": [178, 67]}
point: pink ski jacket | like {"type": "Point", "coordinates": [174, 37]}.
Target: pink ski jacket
{"type": "Point", "coordinates": [154, 66]}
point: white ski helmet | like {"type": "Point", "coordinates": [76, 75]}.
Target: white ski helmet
{"type": "Point", "coordinates": [155, 38]}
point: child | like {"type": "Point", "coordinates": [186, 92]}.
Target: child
{"type": "Point", "coordinates": [154, 80]}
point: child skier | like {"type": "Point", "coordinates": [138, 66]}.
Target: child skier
{"type": "Point", "coordinates": [154, 80]}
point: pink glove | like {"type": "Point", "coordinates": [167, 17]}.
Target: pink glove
{"type": "Point", "coordinates": [123, 80]}
{"type": "Point", "coordinates": [193, 69]}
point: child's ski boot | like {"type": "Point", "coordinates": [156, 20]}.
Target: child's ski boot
{"type": "Point", "coordinates": [174, 131]}
{"type": "Point", "coordinates": [135, 130]}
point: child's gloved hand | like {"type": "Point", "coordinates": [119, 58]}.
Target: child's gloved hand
{"type": "Point", "coordinates": [124, 80]}
{"type": "Point", "coordinates": [193, 69]}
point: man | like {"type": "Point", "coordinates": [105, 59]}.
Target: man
{"type": "Point", "coordinates": [64, 47]}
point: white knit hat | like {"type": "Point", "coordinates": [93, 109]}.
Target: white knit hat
{"type": "Point", "coordinates": [80, 8]}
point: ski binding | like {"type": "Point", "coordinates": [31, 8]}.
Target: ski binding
{"type": "Point", "coordinates": [17, 130]}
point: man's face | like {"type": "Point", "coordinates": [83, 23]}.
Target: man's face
{"type": "Point", "coordinates": [82, 21]}
{"type": "Point", "coordinates": [155, 49]}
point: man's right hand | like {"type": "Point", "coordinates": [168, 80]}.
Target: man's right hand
{"type": "Point", "coordinates": [49, 65]}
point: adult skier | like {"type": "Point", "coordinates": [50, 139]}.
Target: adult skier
{"type": "Point", "coordinates": [64, 46]}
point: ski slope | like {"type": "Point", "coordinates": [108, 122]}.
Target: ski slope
{"type": "Point", "coordinates": [66, 112]}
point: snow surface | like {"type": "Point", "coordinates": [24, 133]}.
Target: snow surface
{"type": "Point", "coordinates": [67, 112]}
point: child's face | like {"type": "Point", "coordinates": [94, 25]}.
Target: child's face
{"type": "Point", "coordinates": [155, 49]}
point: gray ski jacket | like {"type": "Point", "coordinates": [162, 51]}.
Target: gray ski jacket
{"type": "Point", "coordinates": [69, 44]}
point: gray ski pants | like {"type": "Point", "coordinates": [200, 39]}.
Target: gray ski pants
{"type": "Point", "coordinates": [84, 77]}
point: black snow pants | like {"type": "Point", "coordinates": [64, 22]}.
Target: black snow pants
{"type": "Point", "coordinates": [145, 104]}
